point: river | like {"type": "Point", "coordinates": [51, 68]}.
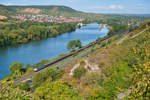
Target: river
{"type": "Point", "coordinates": [36, 51]}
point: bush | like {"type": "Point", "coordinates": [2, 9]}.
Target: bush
{"type": "Point", "coordinates": [99, 93]}
{"type": "Point", "coordinates": [56, 91]}
{"type": "Point", "coordinates": [49, 75]}
{"type": "Point", "coordinates": [25, 86]}
{"type": "Point", "coordinates": [103, 44]}
{"type": "Point", "coordinates": [82, 63]}
{"type": "Point", "coordinates": [43, 76]}
{"type": "Point", "coordinates": [92, 79]}
{"type": "Point", "coordinates": [16, 67]}
{"type": "Point", "coordinates": [79, 72]}
{"type": "Point", "coordinates": [108, 70]}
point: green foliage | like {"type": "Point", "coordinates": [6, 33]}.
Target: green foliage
{"type": "Point", "coordinates": [20, 33]}
{"type": "Point", "coordinates": [43, 76]}
{"type": "Point", "coordinates": [25, 86]}
{"type": "Point", "coordinates": [82, 63]}
{"type": "Point", "coordinates": [56, 91]}
{"type": "Point", "coordinates": [103, 44]}
{"type": "Point", "coordinates": [9, 91]}
{"type": "Point", "coordinates": [141, 83]}
{"type": "Point", "coordinates": [74, 44]}
{"type": "Point", "coordinates": [16, 67]}
{"type": "Point", "coordinates": [98, 94]}
{"type": "Point", "coordinates": [117, 28]}
{"type": "Point", "coordinates": [79, 72]}
{"type": "Point", "coordinates": [59, 74]}
{"type": "Point", "coordinates": [92, 79]}
{"type": "Point", "coordinates": [49, 75]}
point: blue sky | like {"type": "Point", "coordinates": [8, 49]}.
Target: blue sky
{"type": "Point", "coordinates": [96, 6]}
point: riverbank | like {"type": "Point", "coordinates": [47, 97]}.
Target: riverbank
{"type": "Point", "coordinates": [25, 32]}
{"type": "Point", "coordinates": [50, 48]}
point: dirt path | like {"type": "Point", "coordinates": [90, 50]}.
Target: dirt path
{"type": "Point", "coordinates": [138, 33]}
{"type": "Point", "coordinates": [127, 36]}
{"type": "Point", "coordinates": [124, 38]}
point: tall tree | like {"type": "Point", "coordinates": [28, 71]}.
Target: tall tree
{"type": "Point", "coordinates": [16, 67]}
{"type": "Point", "coordinates": [73, 44]}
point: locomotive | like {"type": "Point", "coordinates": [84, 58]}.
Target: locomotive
{"type": "Point", "coordinates": [39, 68]}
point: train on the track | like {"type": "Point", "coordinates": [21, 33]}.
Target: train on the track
{"type": "Point", "coordinates": [72, 53]}
{"type": "Point", "coordinates": [60, 59]}
{"type": "Point", "coordinates": [39, 68]}
{"type": "Point", "coordinates": [51, 63]}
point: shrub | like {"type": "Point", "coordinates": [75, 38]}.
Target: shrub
{"type": "Point", "coordinates": [82, 63]}
{"type": "Point", "coordinates": [103, 44]}
{"type": "Point", "coordinates": [92, 79]}
{"type": "Point", "coordinates": [56, 91]}
{"type": "Point", "coordinates": [79, 72]}
{"type": "Point", "coordinates": [25, 86]}
{"type": "Point", "coordinates": [16, 67]}
{"type": "Point", "coordinates": [49, 75]}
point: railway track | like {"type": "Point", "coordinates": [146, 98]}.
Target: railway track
{"type": "Point", "coordinates": [48, 65]}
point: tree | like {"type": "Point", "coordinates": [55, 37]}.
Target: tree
{"type": "Point", "coordinates": [13, 34]}
{"type": "Point", "coordinates": [74, 44]}
{"type": "Point", "coordinates": [16, 67]}
{"type": "Point", "coordinates": [78, 43]}
{"type": "Point", "coordinates": [56, 91]}
{"type": "Point", "coordinates": [71, 45]}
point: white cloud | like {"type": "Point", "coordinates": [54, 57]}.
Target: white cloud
{"type": "Point", "coordinates": [8, 4]}
{"type": "Point", "coordinates": [109, 7]}
{"type": "Point", "coordinates": [116, 7]}
{"type": "Point", "coordinates": [70, 0]}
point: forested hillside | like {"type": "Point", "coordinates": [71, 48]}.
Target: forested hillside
{"type": "Point", "coordinates": [20, 33]}
{"type": "Point", "coordinates": [117, 65]}
{"type": "Point", "coordinates": [5, 11]}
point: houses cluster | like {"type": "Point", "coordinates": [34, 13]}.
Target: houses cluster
{"type": "Point", "coordinates": [46, 18]}
{"type": "Point", "coordinates": [2, 17]}
{"type": "Point", "coordinates": [134, 23]}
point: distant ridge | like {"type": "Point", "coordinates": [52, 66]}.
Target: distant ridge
{"type": "Point", "coordinates": [48, 7]}
{"type": "Point", "coordinates": [54, 10]}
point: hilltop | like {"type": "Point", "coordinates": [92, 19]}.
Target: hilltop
{"type": "Point", "coordinates": [53, 10]}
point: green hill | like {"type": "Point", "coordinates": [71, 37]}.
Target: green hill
{"type": "Point", "coordinates": [5, 11]}
{"type": "Point", "coordinates": [37, 9]}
